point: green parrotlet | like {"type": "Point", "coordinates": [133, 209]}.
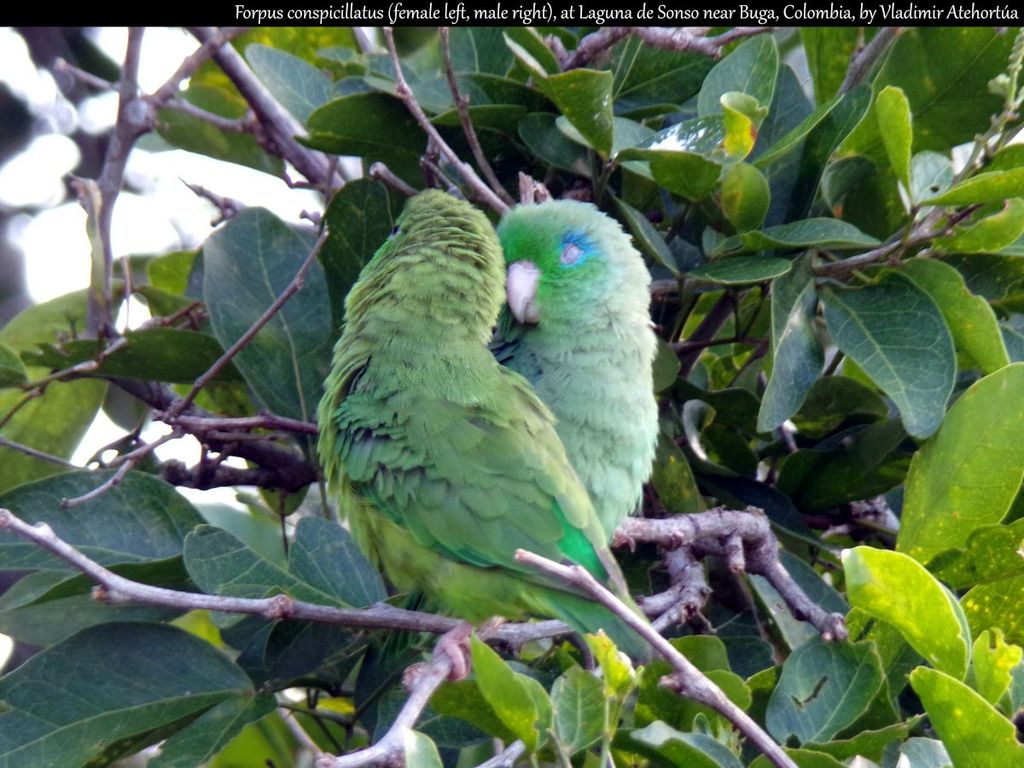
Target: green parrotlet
{"type": "Point", "coordinates": [445, 461]}
{"type": "Point", "coordinates": [578, 328]}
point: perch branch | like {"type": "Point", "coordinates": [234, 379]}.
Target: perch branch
{"type": "Point", "coordinates": [226, 206]}
{"type": "Point", "coordinates": [118, 590]}
{"type": "Point", "coordinates": [864, 60]}
{"type": "Point", "coordinates": [686, 679]}
{"type": "Point", "coordinates": [746, 540]}
{"type": "Point", "coordinates": [507, 758]}
{"type": "Point", "coordinates": [381, 172]}
{"type": "Point", "coordinates": [683, 39]}
{"type": "Point", "coordinates": [404, 92]}
{"type": "Point", "coordinates": [462, 107]}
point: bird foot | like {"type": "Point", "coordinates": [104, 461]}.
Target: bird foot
{"type": "Point", "coordinates": [455, 645]}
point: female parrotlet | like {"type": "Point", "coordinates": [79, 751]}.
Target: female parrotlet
{"type": "Point", "coordinates": [581, 295]}
{"type": "Point", "coordinates": [445, 461]}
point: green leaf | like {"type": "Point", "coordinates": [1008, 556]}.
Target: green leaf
{"type": "Point", "coordinates": [584, 96]}
{"type": "Point", "coordinates": [579, 708]}
{"type": "Point", "coordinates": [649, 239]}
{"type": "Point", "coordinates": [667, 746]}
{"type": "Point", "coordinates": [824, 688]}
{"type": "Point", "coordinates": [141, 519]}
{"type": "Point", "coordinates": [828, 51]}
{"type": "Point", "coordinates": [247, 265]}
{"type": "Point", "coordinates": [997, 605]}
{"type": "Point", "coordinates": [673, 479]}
{"type": "Point", "coordinates": [741, 270]}
{"type": "Point", "coordinates": [973, 732]}
{"type": "Point", "coordinates": [153, 354]}
{"type": "Point", "coordinates": [463, 700]}
{"type": "Point", "coordinates": [197, 135]}
{"type": "Point", "coordinates": [617, 672]}
{"type": "Point", "coordinates": [834, 400]}
{"type": "Point", "coordinates": [12, 370]}
{"type": "Point", "coordinates": [804, 758]}
{"type": "Point", "coordinates": [990, 234]}
{"type": "Point", "coordinates": [867, 743]}
{"type": "Point", "coordinates": [359, 220]}
{"type": "Point", "coordinates": [824, 233]}
{"type": "Point", "coordinates": [298, 87]}
{"type": "Point", "coordinates": [797, 356]}
{"type": "Point", "coordinates": [419, 750]}
{"type": "Point", "coordinates": [203, 738]}
{"type": "Point", "coordinates": [751, 68]}
{"type": "Point", "coordinates": [1000, 279]}
{"type": "Point", "coordinates": [895, 588]}
{"type": "Point", "coordinates": [374, 126]}
{"type": "Point", "coordinates": [745, 196]}
{"type": "Point", "coordinates": [970, 318]}
{"type": "Point", "coordinates": [529, 47]}
{"type": "Point", "coordinates": [220, 564]}
{"type": "Point", "coordinates": [969, 474]}
{"type": "Point", "coordinates": [794, 138]}
{"type": "Point", "coordinates": [894, 124]}
{"type": "Point", "coordinates": [507, 693]}
{"type": "Point", "coordinates": [989, 554]}
{"type": "Point", "coordinates": [542, 138]}
{"type": "Point", "coordinates": [650, 81]}
{"type": "Point", "coordinates": [992, 662]}
{"type": "Point", "coordinates": [682, 173]}
{"type": "Point", "coordinates": [741, 117]}
{"type": "Point", "coordinates": [896, 333]}
{"type": "Point", "coordinates": [982, 188]}
{"type": "Point", "coordinates": [924, 753]}
{"type": "Point", "coordinates": [119, 688]}
{"type": "Point", "coordinates": [930, 174]}
{"type": "Point", "coordinates": [479, 50]}
{"type": "Point", "coordinates": [324, 556]}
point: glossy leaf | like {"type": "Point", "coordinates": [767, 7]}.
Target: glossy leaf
{"type": "Point", "coordinates": [325, 557]}
{"type": "Point", "coordinates": [741, 270]}
{"type": "Point", "coordinates": [12, 370]}
{"type": "Point", "coordinates": [982, 188]}
{"type": "Point", "coordinates": [375, 126]}
{"type": "Point", "coordinates": [745, 196]}
{"type": "Point", "coordinates": [991, 233]}
{"type": "Point", "coordinates": [897, 334]}
{"type": "Point", "coordinates": [828, 52]}
{"type": "Point", "coordinates": [969, 474]}
{"type": "Point", "coordinates": [970, 318]}
{"type": "Point", "coordinates": [667, 746]}
{"type": "Point", "coordinates": [646, 237]}
{"type": "Point", "coordinates": [894, 124]}
{"type": "Point", "coordinates": [673, 479]}
{"type": "Point", "coordinates": [824, 688]}
{"type": "Point", "coordinates": [584, 96]}
{"type": "Point", "coordinates": [992, 663]}
{"type": "Point", "coordinates": [751, 68]}
{"type": "Point", "coordinates": [974, 733]}
{"type": "Point", "coordinates": [507, 693]}
{"type": "Point", "coordinates": [541, 136]}
{"type": "Point", "coordinates": [297, 86]}
{"type": "Point", "coordinates": [829, 234]}
{"type": "Point", "coordinates": [931, 174]}
{"type": "Point", "coordinates": [359, 220]}
{"type": "Point", "coordinates": [579, 706]}
{"type": "Point", "coordinates": [649, 81]}
{"type": "Point", "coordinates": [835, 399]}
{"type": "Point", "coordinates": [121, 687]}
{"type": "Point", "coordinates": [895, 588]}
{"type": "Point", "coordinates": [797, 356]}
{"type": "Point", "coordinates": [246, 266]}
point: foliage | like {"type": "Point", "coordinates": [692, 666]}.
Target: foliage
{"type": "Point", "coordinates": [840, 299]}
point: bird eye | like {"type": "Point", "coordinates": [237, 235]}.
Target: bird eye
{"type": "Point", "coordinates": [571, 254]}
{"type": "Point", "coordinates": [395, 230]}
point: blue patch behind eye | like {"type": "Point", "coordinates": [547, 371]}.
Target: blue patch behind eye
{"type": "Point", "coordinates": [576, 248]}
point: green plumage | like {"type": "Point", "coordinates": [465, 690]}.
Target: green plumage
{"type": "Point", "coordinates": [590, 352]}
{"type": "Point", "coordinates": [446, 462]}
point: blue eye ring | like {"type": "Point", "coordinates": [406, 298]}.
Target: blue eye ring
{"type": "Point", "coordinates": [576, 249]}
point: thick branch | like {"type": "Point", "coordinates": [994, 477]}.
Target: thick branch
{"type": "Point", "coordinates": [687, 680]}
{"type": "Point", "coordinates": [684, 39]}
{"type": "Point", "coordinates": [746, 540]}
{"type": "Point", "coordinates": [864, 60]}
{"type": "Point", "coordinates": [280, 127]}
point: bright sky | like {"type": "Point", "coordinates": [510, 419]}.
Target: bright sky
{"type": "Point", "coordinates": [163, 215]}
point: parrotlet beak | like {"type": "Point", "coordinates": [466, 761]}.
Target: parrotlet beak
{"type": "Point", "coordinates": [521, 290]}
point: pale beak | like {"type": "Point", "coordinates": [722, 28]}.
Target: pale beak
{"type": "Point", "coordinates": [521, 290]}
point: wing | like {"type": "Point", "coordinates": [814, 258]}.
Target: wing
{"type": "Point", "coordinates": [469, 480]}
{"type": "Point", "coordinates": [509, 349]}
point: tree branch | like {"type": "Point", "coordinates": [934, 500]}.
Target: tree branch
{"type": "Point", "coordinates": [404, 92]}
{"type": "Point", "coordinates": [687, 680]}
{"type": "Point", "coordinates": [280, 127]}
{"type": "Point", "coordinates": [683, 39]}
{"type": "Point", "coordinates": [746, 541]}
{"type": "Point", "coordinates": [863, 62]}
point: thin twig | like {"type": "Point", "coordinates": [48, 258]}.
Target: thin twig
{"type": "Point", "coordinates": [290, 290]}
{"type": "Point", "coordinates": [124, 464]}
{"type": "Point", "coordinates": [462, 107]}
{"type": "Point", "coordinates": [863, 62]}
{"type": "Point", "coordinates": [193, 62]}
{"type": "Point", "coordinates": [381, 172]}
{"type": "Point", "coordinates": [36, 454]}
{"type": "Point", "coordinates": [507, 758]}
{"type": "Point", "coordinates": [424, 680]}
{"type": "Point", "coordinates": [264, 420]}
{"type": "Point", "coordinates": [60, 66]}
{"type": "Point", "coordinates": [231, 125]}
{"type": "Point", "coordinates": [227, 206]}
{"type": "Point", "coordinates": [687, 680]}
{"type": "Point", "coordinates": [404, 92]}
